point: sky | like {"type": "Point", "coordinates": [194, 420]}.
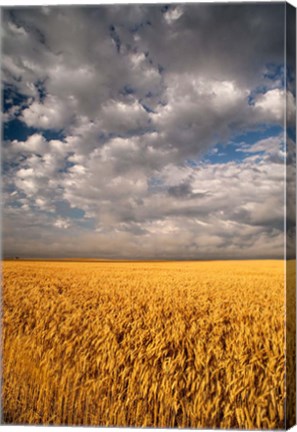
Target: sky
{"type": "Point", "coordinates": [144, 132]}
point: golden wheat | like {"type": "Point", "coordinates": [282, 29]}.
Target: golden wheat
{"type": "Point", "coordinates": [159, 344]}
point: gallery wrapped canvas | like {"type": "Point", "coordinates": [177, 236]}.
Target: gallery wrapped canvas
{"type": "Point", "coordinates": [148, 226]}
{"type": "Point", "coordinates": [290, 219]}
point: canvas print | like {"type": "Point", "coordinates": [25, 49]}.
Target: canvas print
{"type": "Point", "coordinates": [148, 226]}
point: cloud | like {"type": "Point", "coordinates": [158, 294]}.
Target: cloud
{"type": "Point", "coordinates": [51, 114]}
{"type": "Point", "coordinates": [191, 212]}
{"type": "Point", "coordinates": [120, 105]}
{"type": "Point", "coordinates": [62, 223]}
{"type": "Point", "coordinates": [271, 105]}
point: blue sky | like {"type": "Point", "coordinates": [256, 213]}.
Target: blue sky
{"type": "Point", "coordinates": [152, 132]}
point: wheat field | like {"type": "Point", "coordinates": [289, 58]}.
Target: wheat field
{"type": "Point", "coordinates": [156, 344]}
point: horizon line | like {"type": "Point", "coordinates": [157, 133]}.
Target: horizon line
{"type": "Point", "coordinates": [102, 260]}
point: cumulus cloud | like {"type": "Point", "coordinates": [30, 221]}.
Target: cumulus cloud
{"type": "Point", "coordinates": [62, 223]}
{"type": "Point", "coordinates": [51, 114]}
{"type": "Point", "coordinates": [120, 105]}
{"type": "Point", "coordinates": [185, 212]}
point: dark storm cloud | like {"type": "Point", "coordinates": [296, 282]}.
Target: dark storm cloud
{"type": "Point", "coordinates": [116, 100]}
{"type": "Point", "coordinates": [226, 41]}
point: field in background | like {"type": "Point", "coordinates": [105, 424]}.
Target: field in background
{"type": "Point", "coordinates": [165, 344]}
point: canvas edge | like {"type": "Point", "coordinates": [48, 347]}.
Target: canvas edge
{"type": "Point", "coordinates": [290, 215]}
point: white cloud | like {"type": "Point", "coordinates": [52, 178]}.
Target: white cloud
{"type": "Point", "coordinates": [50, 114]}
{"type": "Point", "coordinates": [173, 14]}
{"type": "Point", "coordinates": [271, 105]}
{"type": "Point", "coordinates": [34, 144]}
{"type": "Point", "coordinates": [62, 223]}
